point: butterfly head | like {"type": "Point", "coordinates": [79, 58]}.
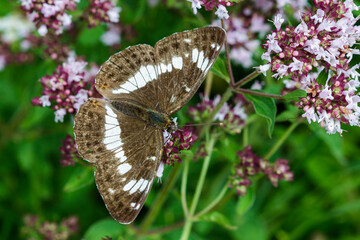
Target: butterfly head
{"type": "Point", "coordinates": [171, 125]}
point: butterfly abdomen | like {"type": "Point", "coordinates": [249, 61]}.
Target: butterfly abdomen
{"type": "Point", "coordinates": [151, 117]}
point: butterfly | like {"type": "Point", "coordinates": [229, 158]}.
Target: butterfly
{"type": "Point", "coordinates": [123, 133]}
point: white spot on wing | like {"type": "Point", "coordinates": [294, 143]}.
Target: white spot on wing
{"type": "Point", "coordinates": [187, 40]}
{"type": "Point", "coordinates": [137, 186]}
{"type": "Point", "coordinates": [121, 155]}
{"type": "Point", "coordinates": [110, 112]}
{"type": "Point", "coordinates": [109, 126]}
{"type": "Point", "coordinates": [137, 206]}
{"type": "Point", "coordinates": [212, 45]}
{"type": "Point", "coordinates": [113, 145]}
{"type": "Point", "coordinates": [128, 86]}
{"type": "Point", "coordinates": [153, 158]}
{"type": "Point", "coordinates": [112, 139]}
{"type": "Point", "coordinates": [173, 99]}
{"type": "Point", "coordinates": [124, 168]}
{"type": "Point", "coordinates": [177, 62]}
{"type": "Point", "coordinates": [133, 204]}
{"type": "Point", "coordinates": [112, 132]}
{"type": "Point", "coordinates": [201, 59]}
{"type": "Point", "coordinates": [139, 79]}
{"type": "Point", "coordinates": [217, 47]}
{"type": "Point", "coordinates": [129, 185]}
{"type": "Point", "coordinates": [111, 120]}
{"type": "Point", "coordinates": [205, 64]}
{"type": "Point", "coordinates": [187, 89]}
{"type": "Point", "coordinates": [169, 67]}
{"type": "Point", "coordinates": [111, 191]}
{"type": "Point", "coordinates": [162, 68]}
{"type": "Point", "coordinates": [143, 185]}
{"type": "Point", "coordinates": [152, 72]}
{"type": "Point", "coordinates": [195, 53]}
{"type": "Point", "coordinates": [186, 54]}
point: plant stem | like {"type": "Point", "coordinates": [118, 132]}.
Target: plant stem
{"type": "Point", "coordinates": [199, 187]}
{"type": "Point", "coordinates": [228, 64]}
{"type": "Point", "coordinates": [183, 187]}
{"type": "Point", "coordinates": [240, 90]}
{"type": "Point", "coordinates": [161, 196]}
{"type": "Point", "coordinates": [226, 96]}
{"type": "Point", "coordinates": [246, 79]}
{"type": "Point", "coordinates": [283, 138]}
{"type": "Point", "coordinates": [213, 203]}
{"type": "Point", "coordinates": [208, 84]}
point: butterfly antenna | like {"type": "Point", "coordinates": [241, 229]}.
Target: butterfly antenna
{"type": "Point", "coordinates": [203, 124]}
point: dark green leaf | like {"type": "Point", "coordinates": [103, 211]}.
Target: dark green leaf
{"type": "Point", "coordinates": [264, 107]}
{"type": "Point", "coordinates": [291, 113]}
{"type": "Point", "coordinates": [322, 78]}
{"type": "Point", "coordinates": [219, 69]}
{"type": "Point", "coordinates": [218, 218]}
{"type": "Point", "coordinates": [295, 95]}
{"type": "Point", "coordinates": [82, 177]}
{"type": "Point", "coordinates": [104, 228]}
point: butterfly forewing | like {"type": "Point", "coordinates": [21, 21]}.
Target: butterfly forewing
{"type": "Point", "coordinates": [125, 74]}
{"type": "Point", "coordinates": [126, 153]}
{"type": "Point", "coordinates": [183, 60]}
{"type": "Point", "coordinates": [126, 146]}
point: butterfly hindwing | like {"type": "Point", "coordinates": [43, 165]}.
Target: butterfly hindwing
{"type": "Point", "coordinates": [118, 145]}
{"type": "Point", "coordinates": [183, 60]}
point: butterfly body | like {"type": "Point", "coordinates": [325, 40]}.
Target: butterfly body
{"type": "Point", "coordinates": [144, 86]}
{"type": "Point", "coordinates": [150, 116]}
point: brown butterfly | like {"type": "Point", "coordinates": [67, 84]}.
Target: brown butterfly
{"type": "Point", "coordinates": [144, 86]}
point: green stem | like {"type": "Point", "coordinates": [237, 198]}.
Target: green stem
{"type": "Point", "coordinates": [213, 203]}
{"type": "Point", "coordinates": [228, 64]}
{"type": "Point", "coordinates": [246, 79]}
{"type": "Point", "coordinates": [161, 196]}
{"type": "Point", "coordinates": [240, 90]}
{"type": "Point", "coordinates": [246, 136]}
{"type": "Point", "coordinates": [283, 138]}
{"type": "Point", "coordinates": [199, 187]}
{"type": "Point", "coordinates": [226, 96]}
{"type": "Point", "coordinates": [183, 187]}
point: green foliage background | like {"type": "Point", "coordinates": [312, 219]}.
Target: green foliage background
{"type": "Point", "coordinates": [321, 203]}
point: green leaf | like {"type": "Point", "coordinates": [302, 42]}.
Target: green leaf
{"type": "Point", "coordinates": [218, 218]}
{"type": "Point", "coordinates": [264, 107]}
{"type": "Point", "coordinates": [219, 69]}
{"type": "Point", "coordinates": [81, 177]}
{"type": "Point", "coordinates": [322, 78]}
{"type": "Point", "coordinates": [246, 202]}
{"type": "Point", "coordinates": [295, 95]}
{"type": "Point", "coordinates": [290, 114]}
{"type": "Point", "coordinates": [104, 228]}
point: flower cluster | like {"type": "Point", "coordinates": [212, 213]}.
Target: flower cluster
{"type": "Point", "coordinates": [181, 139]}
{"type": "Point", "coordinates": [211, 4]}
{"type": "Point", "coordinates": [112, 36]}
{"type": "Point", "coordinates": [67, 88]}
{"type": "Point", "coordinates": [102, 11]}
{"type": "Point", "coordinates": [251, 165]}
{"type": "Point", "coordinates": [242, 35]}
{"type": "Point", "coordinates": [68, 151]}
{"type": "Point", "coordinates": [49, 15]}
{"type": "Point", "coordinates": [232, 118]}
{"type": "Point", "coordinates": [244, 29]}
{"type": "Point", "coordinates": [14, 29]}
{"type": "Point", "coordinates": [33, 226]}
{"type": "Point", "coordinates": [320, 45]}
